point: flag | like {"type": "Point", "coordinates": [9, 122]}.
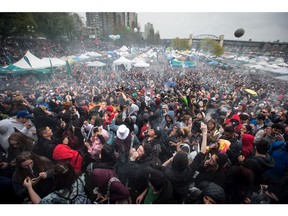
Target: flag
{"type": "Point", "coordinates": [9, 59]}
{"type": "Point", "coordinates": [51, 67]}
{"type": "Point", "coordinates": [27, 60]}
{"type": "Point", "coordinates": [68, 68]}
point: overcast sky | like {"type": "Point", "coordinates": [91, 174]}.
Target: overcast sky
{"type": "Point", "coordinates": [258, 26]}
{"type": "Point", "coordinates": [262, 20]}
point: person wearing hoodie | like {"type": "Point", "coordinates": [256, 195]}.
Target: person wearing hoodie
{"type": "Point", "coordinates": [64, 154]}
{"type": "Point", "coordinates": [180, 175]}
{"type": "Point", "coordinates": [21, 122]}
{"type": "Point", "coordinates": [279, 151]}
{"type": "Point", "coordinates": [235, 122]}
{"type": "Point", "coordinates": [263, 160]}
{"type": "Point", "coordinates": [247, 145]}
{"type": "Point", "coordinates": [167, 122]}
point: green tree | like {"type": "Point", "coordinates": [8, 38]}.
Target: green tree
{"type": "Point", "coordinates": [50, 24]}
{"type": "Point", "coordinates": [209, 45]}
{"type": "Point", "coordinates": [16, 24]}
{"type": "Point", "coordinates": [54, 25]}
{"type": "Point", "coordinates": [217, 49]}
{"type": "Point", "coordinates": [180, 44]}
{"type": "Point", "coordinates": [157, 39]}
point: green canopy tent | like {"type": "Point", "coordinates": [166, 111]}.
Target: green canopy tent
{"type": "Point", "coordinates": [14, 70]}
{"type": "Point", "coordinates": [176, 63]}
{"type": "Point", "coordinates": [11, 69]}
{"type": "Point", "coordinates": [190, 64]}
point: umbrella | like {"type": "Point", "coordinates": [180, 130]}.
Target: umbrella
{"type": "Point", "coordinates": [250, 91]}
{"type": "Point", "coordinates": [170, 84]}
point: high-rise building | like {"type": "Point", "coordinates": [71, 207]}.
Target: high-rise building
{"type": "Point", "coordinates": [131, 20]}
{"type": "Point", "coordinates": [147, 28]}
{"type": "Point", "coordinates": [106, 23]}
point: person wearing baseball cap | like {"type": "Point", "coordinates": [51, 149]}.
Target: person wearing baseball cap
{"type": "Point", "coordinates": [21, 122]}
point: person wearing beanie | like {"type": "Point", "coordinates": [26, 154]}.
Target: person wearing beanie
{"type": "Point", "coordinates": [235, 147]}
{"type": "Point", "coordinates": [244, 118]}
{"type": "Point", "coordinates": [180, 175]}
{"type": "Point", "coordinates": [213, 194]}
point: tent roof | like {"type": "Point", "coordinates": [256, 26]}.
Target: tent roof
{"type": "Point", "coordinates": [55, 62]}
{"type": "Point", "coordinates": [122, 60]}
{"type": "Point", "coordinates": [93, 54]}
{"type": "Point", "coordinates": [11, 69]}
{"type": "Point", "coordinates": [35, 62]}
{"type": "Point", "coordinates": [285, 78]}
{"type": "Point", "coordinates": [141, 64]}
{"type": "Point", "coordinates": [95, 64]}
{"type": "Point", "coordinates": [123, 49]}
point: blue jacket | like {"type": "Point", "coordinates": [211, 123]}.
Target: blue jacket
{"type": "Point", "coordinates": [279, 151]}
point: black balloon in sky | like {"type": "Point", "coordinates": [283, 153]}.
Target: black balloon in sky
{"type": "Point", "coordinates": [239, 32]}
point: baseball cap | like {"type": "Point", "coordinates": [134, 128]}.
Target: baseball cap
{"type": "Point", "coordinates": [24, 114]}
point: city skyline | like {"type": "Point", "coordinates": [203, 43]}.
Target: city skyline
{"type": "Point", "coordinates": [262, 22]}
{"type": "Point", "coordinates": [268, 26]}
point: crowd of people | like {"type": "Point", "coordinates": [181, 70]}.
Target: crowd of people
{"type": "Point", "coordinates": [160, 135]}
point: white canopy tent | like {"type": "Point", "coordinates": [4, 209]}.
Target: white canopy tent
{"type": "Point", "coordinates": [280, 70]}
{"type": "Point", "coordinates": [137, 59]}
{"type": "Point", "coordinates": [122, 61]}
{"type": "Point", "coordinates": [54, 61]}
{"type": "Point", "coordinates": [283, 64]}
{"type": "Point", "coordinates": [123, 49]}
{"type": "Point", "coordinates": [83, 56]}
{"type": "Point", "coordinates": [141, 64]}
{"type": "Point", "coordinates": [94, 54]}
{"type": "Point", "coordinates": [285, 78]}
{"type": "Point", "coordinates": [95, 64]}
{"type": "Point", "coordinates": [257, 66]}
{"type": "Point", "coordinates": [29, 61]}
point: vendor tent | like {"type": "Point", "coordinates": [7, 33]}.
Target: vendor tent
{"type": "Point", "coordinates": [29, 61]}
{"type": "Point", "coordinates": [190, 64]}
{"type": "Point", "coordinates": [141, 64]}
{"type": "Point", "coordinates": [95, 64]}
{"type": "Point", "coordinates": [122, 61]}
{"type": "Point", "coordinates": [54, 61]}
{"type": "Point", "coordinates": [95, 54]}
{"type": "Point", "coordinates": [123, 49]}
{"type": "Point", "coordinates": [285, 78]}
{"type": "Point", "coordinates": [11, 69]}
{"type": "Point", "coordinates": [176, 63]}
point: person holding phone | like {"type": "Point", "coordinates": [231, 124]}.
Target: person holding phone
{"type": "Point", "coordinates": [38, 168]}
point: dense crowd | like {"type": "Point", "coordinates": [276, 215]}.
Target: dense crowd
{"type": "Point", "coordinates": [160, 135]}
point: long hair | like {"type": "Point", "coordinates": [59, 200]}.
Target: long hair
{"type": "Point", "coordinates": [64, 177]}
{"type": "Point", "coordinates": [26, 143]}
{"type": "Point", "coordinates": [107, 155]}
{"type": "Point", "coordinates": [41, 164]}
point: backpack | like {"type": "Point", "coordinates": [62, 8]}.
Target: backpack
{"type": "Point", "coordinates": [123, 201]}
{"type": "Point", "coordinates": [78, 198]}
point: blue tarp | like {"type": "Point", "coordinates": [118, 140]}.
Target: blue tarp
{"type": "Point", "coordinates": [213, 62]}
